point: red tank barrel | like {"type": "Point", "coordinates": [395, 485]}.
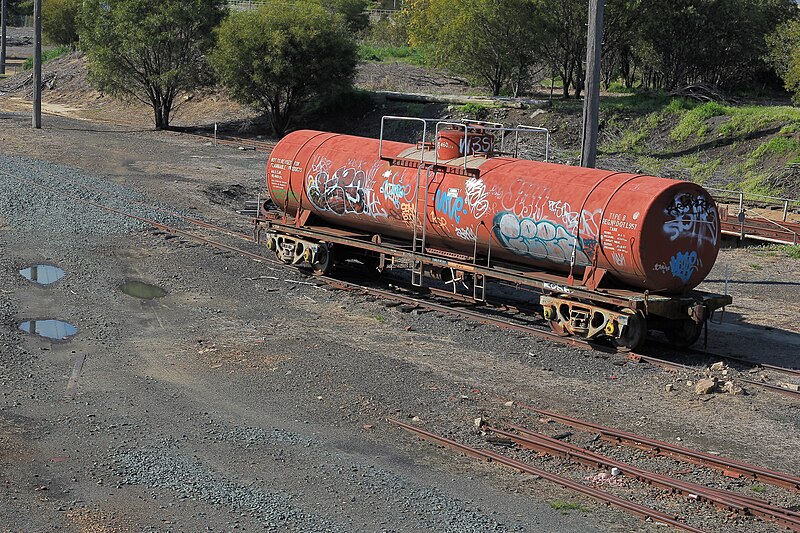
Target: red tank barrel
{"type": "Point", "coordinates": [647, 232]}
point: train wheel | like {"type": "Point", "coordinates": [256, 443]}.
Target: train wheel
{"type": "Point", "coordinates": [634, 333]}
{"type": "Point", "coordinates": [684, 333]}
{"type": "Point", "coordinates": [324, 263]}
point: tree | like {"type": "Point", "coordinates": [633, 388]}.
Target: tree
{"type": "Point", "coordinates": [784, 55]}
{"type": "Point", "coordinates": [717, 42]}
{"type": "Point", "coordinates": [279, 57]}
{"type": "Point", "coordinates": [354, 12]}
{"type": "Point", "coordinates": [60, 20]}
{"type": "Point", "coordinates": [151, 52]}
{"type": "Point", "coordinates": [494, 41]}
{"type": "Point", "coordinates": [564, 23]}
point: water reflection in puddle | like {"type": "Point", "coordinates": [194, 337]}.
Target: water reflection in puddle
{"type": "Point", "coordinates": [42, 274]}
{"type": "Point", "coordinates": [51, 329]}
{"type": "Point", "coordinates": [145, 291]}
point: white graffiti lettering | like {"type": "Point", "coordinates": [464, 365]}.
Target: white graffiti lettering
{"type": "Point", "coordinates": [468, 234]}
{"type": "Point", "coordinates": [693, 218]}
{"type": "Point", "coordinates": [476, 197]}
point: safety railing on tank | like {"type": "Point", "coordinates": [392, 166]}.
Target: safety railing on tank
{"type": "Point", "coordinates": [494, 128]}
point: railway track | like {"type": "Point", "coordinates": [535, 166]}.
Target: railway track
{"type": "Point", "coordinates": [398, 294]}
{"type": "Point", "coordinates": [729, 501]}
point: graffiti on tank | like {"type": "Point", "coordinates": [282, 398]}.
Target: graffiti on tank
{"type": "Point", "coordinates": [450, 205]}
{"type": "Point", "coordinates": [692, 217]}
{"type": "Point", "coordinates": [586, 221]}
{"type": "Point", "coordinates": [681, 265]}
{"type": "Point", "coordinates": [619, 259]}
{"type": "Point", "coordinates": [407, 214]}
{"type": "Point", "coordinates": [476, 197]}
{"type": "Point", "coordinates": [468, 234]}
{"type": "Point", "coordinates": [439, 221]}
{"type": "Point", "coordinates": [539, 239]}
{"type": "Point", "coordinates": [346, 191]}
{"type": "Point", "coordinates": [527, 200]}
{"type": "Point", "coordinates": [393, 188]}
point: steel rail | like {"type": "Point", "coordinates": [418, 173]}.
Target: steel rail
{"type": "Point", "coordinates": [672, 365]}
{"type": "Point", "coordinates": [721, 498]}
{"type": "Point", "coordinates": [636, 509]}
{"type": "Point", "coordinates": [463, 313]}
{"type": "Point", "coordinates": [729, 467]}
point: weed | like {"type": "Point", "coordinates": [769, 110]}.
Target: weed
{"type": "Point", "coordinates": [564, 506]}
{"type": "Point", "coordinates": [650, 165]}
{"type": "Point", "coordinates": [472, 108]}
{"type": "Point", "coordinates": [380, 318]}
{"type": "Point", "coordinates": [48, 55]}
{"type": "Point", "coordinates": [758, 488]}
{"type": "Point", "coordinates": [756, 266]}
{"type": "Point", "coordinates": [790, 250]}
{"type": "Point", "coordinates": [694, 122]}
{"type": "Point", "coordinates": [407, 54]}
{"type": "Point", "coordinates": [619, 88]}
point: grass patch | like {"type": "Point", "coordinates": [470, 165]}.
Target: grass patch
{"type": "Point", "coordinates": [473, 108]}
{"type": "Point", "coordinates": [48, 55]}
{"type": "Point", "coordinates": [694, 122]}
{"type": "Point", "coordinates": [756, 266]}
{"type": "Point", "coordinates": [789, 250]}
{"type": "Point", "coordinates": [758, 488]}
{"type": "Point", "coordinates": [565, 506]}
{"type": "Point", "coordinates": [375, 52]}
{"type": "Point", "coordinates": [380, 318]}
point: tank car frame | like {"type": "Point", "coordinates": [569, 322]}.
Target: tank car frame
{"type": "Point", "coordinates": [592, 307]}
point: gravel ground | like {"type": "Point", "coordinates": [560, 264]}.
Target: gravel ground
{"type": "Point", "coordinates": [247, 397]}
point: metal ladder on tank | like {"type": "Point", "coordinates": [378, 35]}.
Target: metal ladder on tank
{"type": "Point", "coordinates": [420, 230]}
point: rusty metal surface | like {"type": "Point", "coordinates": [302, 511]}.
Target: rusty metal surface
{"type": "Point", "coordinates": [726, 466]}
{"type": "Point", "coordinates": [736, 502]}
{"type": "Point", "coordinates": [647, 232]}
{"type": "Point", "coordinates": [636, 509]}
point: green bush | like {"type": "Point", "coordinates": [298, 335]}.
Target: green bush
{"type": "Point", "coordinates": [48, 55]}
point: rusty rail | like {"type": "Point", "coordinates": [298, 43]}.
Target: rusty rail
{"type": "Point", "coordinates": [462, 313]}
{"type": "Point", "coordinates": [725, 499]}
{"type": "Point", "coordinates": [729, 467]}
{"type": "Point", "coordinates": [636, 509]}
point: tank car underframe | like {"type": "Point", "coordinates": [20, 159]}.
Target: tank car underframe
{"type": "Point", "coordinates": [579, 309]}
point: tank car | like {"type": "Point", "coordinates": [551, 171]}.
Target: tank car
{"type": "Point", "coordinates": [612, 253]}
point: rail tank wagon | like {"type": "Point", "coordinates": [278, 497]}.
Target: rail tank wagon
{"type": "Point", "coordinates": [463, 200]}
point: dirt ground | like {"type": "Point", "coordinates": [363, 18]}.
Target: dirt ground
{"type": "Point", "coordinates": [247, 399]}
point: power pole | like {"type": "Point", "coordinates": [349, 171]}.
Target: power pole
{"type": "Point", "coordinates": [37, 64]}
{"type": "Point", "coordinates": [2, 36]}
{"type": "Point", "coordinates": [591, 99]}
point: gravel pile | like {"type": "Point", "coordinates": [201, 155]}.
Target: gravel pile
{"type": "Point", "coordinates": [42, 208]}
{"type": "Point", "coordinates": [192, 480]}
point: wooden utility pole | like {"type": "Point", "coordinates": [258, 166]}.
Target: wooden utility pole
{"type": "Point", "coordinates": [3, 11]}
{"type": "Point", "coordinates": [591, 99]}
{"type": "Point", "coordinates": [37, 64]}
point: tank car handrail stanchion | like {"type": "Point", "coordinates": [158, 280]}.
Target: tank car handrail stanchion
{"type": "Point", "coordinates": [546, 131]}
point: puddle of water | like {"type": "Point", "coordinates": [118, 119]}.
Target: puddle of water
{"type": "Point", "coordinates": [51, 329]}
{"type": "Point", "coordinates": [42, 274]}
{"type": "Point", "coordinates": [145, 291]}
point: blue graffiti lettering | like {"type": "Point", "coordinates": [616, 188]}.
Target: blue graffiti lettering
{"type": "Point", "coordinates": [539, 239]}
{"type": "Point", "coordinates": [683, 265]}
{"type": "Point", "coordinates": [394, 190]}
{"type": "Point", "coordinates": [453, 208]}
